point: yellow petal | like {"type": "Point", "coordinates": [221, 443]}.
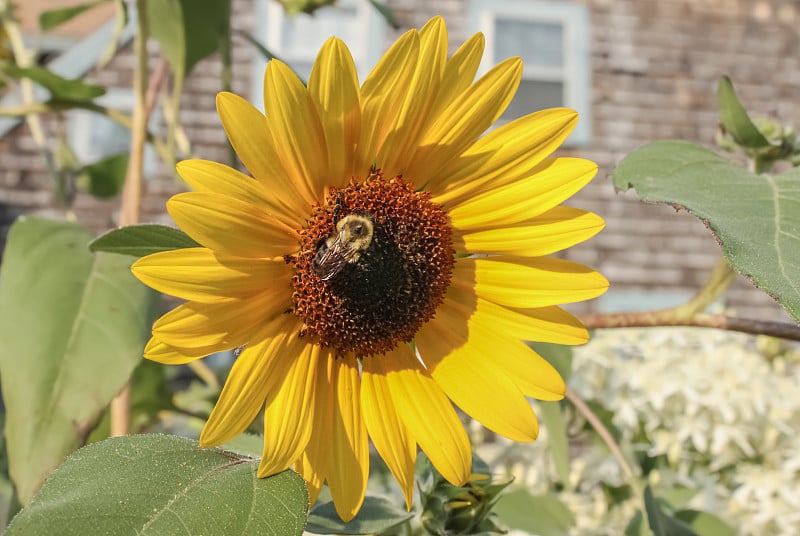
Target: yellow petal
{"type": "Point", "coordinates": [530, 283]}
{"type": "Point", "coordinates": [455, 353]}
{"type": "Point", "coordinates": [203, 275]}
{"type": "Point", "coordinates": [531, 195]}
{"type": "Point", "coordinates": [317, 459]}
{"type": "Point", "coordinates": [160, 352]}
{"type": "Point", "coordinates": [230, 226]}
{"type": "Point", "coordinates": [414, 108]}
{"type": "Point", "coordinates": [254, 375]}
{"type": "Point", "coordinates": [545, 324]}
{"type": "Point", "coordinates": [221, 325]}
{"type": "Point", "coordinates": [249, 135]}
{"type": "Point", "coordinates": [290, 409]}
{"type": "Point", "coordinates": [427, 413]}
{"type": "Point", "coordinates": [211, 177]}
{"type": "Point", "coordinates": [459, 72]}
{"type": "Point", "coordinates": [392, 438]}
{"type": "Point", "coordinates": [502, 351]}
{"type": "Point", "coordinates": [347, 477]}
{"type": "Point", "coordinates": [533, 374]}
{"type": "Point", "coordinates": [503, 156]}
{"type": "Point", "coordinates": [381, 95]}
{"type": "Point", "coordinates": [296, 130]}
{"type": "Point", "coordinates": [333, 85]}
{"type": "Point", "coordinates": [465, 119]}
{"type": "Point", "coordinates": [314, 480]}
{"type": "Point", "coordinates": [555, 230]}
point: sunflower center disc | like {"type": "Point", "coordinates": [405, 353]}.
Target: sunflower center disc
{"type": "Point", "coordinates": [365, 288]}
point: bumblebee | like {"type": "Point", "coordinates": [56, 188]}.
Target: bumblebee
{"type": "Point", "coordinates": [353, 236]}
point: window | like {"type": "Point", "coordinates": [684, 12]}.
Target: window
{"type": "Point", "coordinates": [94, 136]}
{"type": "Point", "coordinates": [297, 40]}
{"type": "Point", "coordinates": [553, 41]}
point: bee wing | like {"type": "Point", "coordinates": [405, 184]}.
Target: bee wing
{"type": "Point", "coordinates": [330, 260]}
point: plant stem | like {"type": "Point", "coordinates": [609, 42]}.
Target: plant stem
{"type": "Point", "coordinates": [132, 191]}
{"type": "Point", "coordinates": [667, 317]}
{"type": "Point", "coordinates": [721, 278]}
{"type": "Point", "coordinates": [25, 58]}
{"type": "Point", "coordinates": [56, 105]}
{"type": "Point", "coordinates": [608, 439]}
{"type": "Point", "coordinates": [203, 372]}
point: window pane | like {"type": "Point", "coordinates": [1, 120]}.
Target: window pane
{"type": "Point", "coordinates": [534, 95]}
{"type": "Point", "coordinates": [107, 137]}
{"type": "Point", "coordinates": [540, 44]}
{"type": "Point", "coordinates": [305, 34]}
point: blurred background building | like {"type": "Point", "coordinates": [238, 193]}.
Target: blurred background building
{"type": "Point", "coordinates": [636, 70]}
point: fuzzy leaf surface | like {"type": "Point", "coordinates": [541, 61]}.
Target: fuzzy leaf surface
{"type": "Point", "coordinates": [756, 218]}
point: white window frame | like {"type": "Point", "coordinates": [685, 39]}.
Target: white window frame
{"type": "Point", "coordinates": [366, 47]}
{"type": "Point", "coordinates": [576, 72]}
{"type": "Point", "coordinates": [81, 123]}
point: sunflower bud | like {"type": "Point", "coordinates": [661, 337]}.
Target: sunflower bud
{"type": "Point", "coordinates": [449, 509]}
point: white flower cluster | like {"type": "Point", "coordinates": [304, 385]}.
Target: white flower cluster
{"type": "Point", "coordinates": [725, 416]}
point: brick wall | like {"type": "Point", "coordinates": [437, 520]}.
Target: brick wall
{"type": "Point", "coordinates": [654, 70]}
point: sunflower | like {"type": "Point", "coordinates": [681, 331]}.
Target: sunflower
{"type": "Point", "coordinates": [384, 262]}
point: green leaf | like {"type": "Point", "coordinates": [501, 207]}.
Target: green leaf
{"type": "Point", "coordinates": [120, 22]}
{"type": "Point", "coordinates": [677, 497]}
{"type": "Point", "coordinates": [705, 523]}
{"type": "Point", "coordinates": [72, 328]}
{"type": "Point", "coordinates": [376, 515]}
{"type": "Point", "coordinates": [187, 30]}
{"type": "Point", "coordinates": [54, 17]}
{"type": "Point", "coordinates": [141, 240]}
{"type": "Point", "coordinates": [155, 484]}
{"type": "Point", "coordinates": [660, 523]}
{"type": "Point", "coordinates": [544, 515]}
{"type": "Point", "coordinates": [636, 526]}
{"type": "Point", "coordinates": [205, 21]}
{"type": "Point", "coordinates": [165, 23]}
{"type": "Point", "coordinates": [558, 355]}
{"type": "Point", "coordinates": [553, 419]}
{"type": "Point", "coordinates": [386, 13]}
{"type": "Point", "coordinates": [105, 178]}
{"type": "Point", "coordinates": [755, 217]}
{"type": "Point", "coordinates": [59, 87]}
{"type": "Point", "coordinates": [735, 119]}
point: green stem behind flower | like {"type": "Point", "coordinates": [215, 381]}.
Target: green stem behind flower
{"type": "Point", "coordinates": [132, 191]}
{"type": "Point", "coordinates": [608, 439]}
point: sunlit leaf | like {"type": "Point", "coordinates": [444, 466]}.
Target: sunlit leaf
{"type": "Point", "coordinates": [158, 484]}
{"type": "Point", "coordinates": [72, 328]}
{"type": "Point", "coordinates": [756, 218]}
{"type": "Point", "coordinates": [735, 119]}
{"type": "Point", "coordinates": [143, 239]}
